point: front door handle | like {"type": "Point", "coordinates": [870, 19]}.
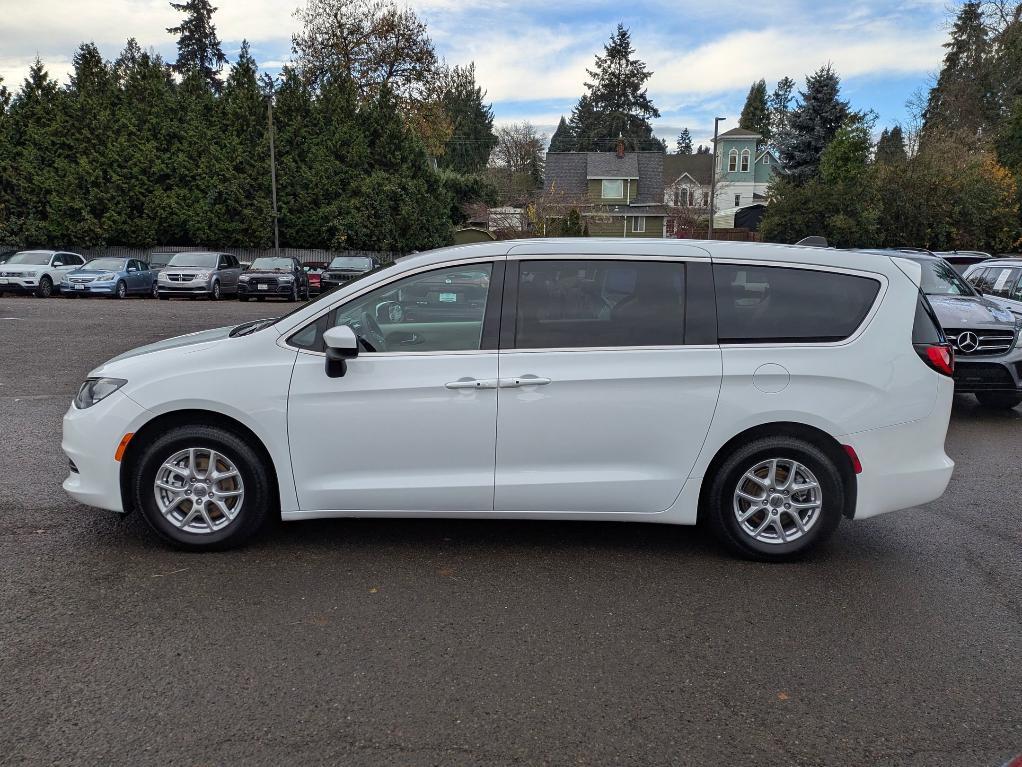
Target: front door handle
{"type": "Point", "coordinates": [472, 383]}
{"type": "Point", "coordinates": [526, 380]}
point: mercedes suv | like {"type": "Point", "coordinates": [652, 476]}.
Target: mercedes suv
{"type": "Point", "coordinates": [984, 332]}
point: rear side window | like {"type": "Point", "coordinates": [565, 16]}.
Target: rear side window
{"type": "Point", "coordinates": [580, 304]}
{"type": "Point", "coordinates": [1002, 281]}
{"type": "Point", "coordinates": [926, 328]}
{"type": "Point", "coordinates": [764, 304]}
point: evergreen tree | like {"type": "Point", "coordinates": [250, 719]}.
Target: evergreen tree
{"type": "Point", "coordinates": [198, 47]}
{"type": "Point", "coordinates": [813, 123]}
{"type": "Point", "coordinates": [472, 139]}
{"type": "Point", "coordinates": [684, 143]}
{"type": "Point", "coordinates": [616, 103]}
{"type": "Point", "coordinates": [563, 140]}
{"type": "Point", "coordinates": [701, 149]}
{"type": "Point", "coordinates": [891, 146]}
{"type": "Point", "coordinates": [959, 105]}
{"type": "Point", "coordinates": [756, 114]}
{"type": "Point", "coordinates": [779, 105]}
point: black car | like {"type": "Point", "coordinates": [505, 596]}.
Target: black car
{"type": "Point", "coordinates": [986, 337]}
{"type": "Point", "coordinates": [344, 269]}
{"type": "Point", "coordinates": [273, 277]}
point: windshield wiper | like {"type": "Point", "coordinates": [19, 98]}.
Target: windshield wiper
{"type": "Point", "coordinates": [251, 327]}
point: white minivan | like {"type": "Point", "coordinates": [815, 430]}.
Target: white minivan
{"type": "Point", "coordinates": [766, 391]}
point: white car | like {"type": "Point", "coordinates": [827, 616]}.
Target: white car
{"type": "Point", "coordinates": [39, 272]}
{"type": "Point", "coordinates": [766, 391]}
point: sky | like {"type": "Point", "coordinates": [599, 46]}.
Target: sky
{"type": "Point", "coordinates": [531, 55]}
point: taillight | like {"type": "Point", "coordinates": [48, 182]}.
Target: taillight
{"type": "Point", "coordinates": [940, 357]}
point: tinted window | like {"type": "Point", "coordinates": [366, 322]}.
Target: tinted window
{"type": "Point", "coordinates": [571, 304]}
{"type": "Point", "coordinates": [70, 259]}
{"type": "Point", "coordinates": [979, 280]}
{"type": "Point", "coordinates": [202, 260]}
{"type": "Point", "coordinates": [442, 310]}
{"type": "Point", "coordinates": [926, 329]}
{"type": "Point", "coordinates": [351, 262]}
{"type": "Point", "coordinates": [758, 304]}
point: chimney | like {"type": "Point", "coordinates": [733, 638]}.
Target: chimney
{"type": "Point", "coordinates": [620, 147]}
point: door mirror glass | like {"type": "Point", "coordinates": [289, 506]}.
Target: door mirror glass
{"type": "Point", "coordinates": [341, 345]}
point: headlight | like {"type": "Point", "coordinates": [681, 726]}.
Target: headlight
{"type": "Point", "coordinates": [95, 390]}
{"type": "Point", "coordinates": [65, 278]}
{"type": "Point", "coordinates": [287, 278]}
{"type": "Point", "coordinates": [1018, 337]}
{"type": "Point", "coordinates": [105, 277]}
{"type": "Point", "coordinates": [245, 277]}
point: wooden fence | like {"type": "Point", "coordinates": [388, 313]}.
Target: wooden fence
{"type": "Point", "coordinates": [304, 255]}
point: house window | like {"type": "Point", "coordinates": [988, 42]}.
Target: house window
{"type": "Point", "coordinates": [638, 223]}
{"type": "Point", "coordinates": [683, 197]}
{"type": "Point", "coordinates": [732, 160]}
{"type": "Point", "coordinates": [706, 199]}
{"type": "Point", "coordinates": [745, 160]}
{"type": "Point", "coordinates": [738, 200]}
{"type": "Point", "coordinates": [613, 188]}
{"type": "Point", "coordinates": [766, 159]}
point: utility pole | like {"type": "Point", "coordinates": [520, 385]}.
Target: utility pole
{"type": "Point", "coordinates": [713, 177]}
{"type": "Point", "coordinates": [273, 176]}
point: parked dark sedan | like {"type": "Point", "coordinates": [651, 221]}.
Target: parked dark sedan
{"type": "Point", "coordinates": [272, 277]}
{"type": "Point", "coordinates": [344, 269]}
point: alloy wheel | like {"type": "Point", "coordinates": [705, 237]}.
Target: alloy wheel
{"type": "Point", "coordinates": [199, 490]}
{"type": "Point", "coordinates": [777, 501]}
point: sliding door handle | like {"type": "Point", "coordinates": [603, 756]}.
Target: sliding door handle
{"type": "Point", "coordinates": [526, 380]}
{"type": "Point", "coordinates": [472, 383]}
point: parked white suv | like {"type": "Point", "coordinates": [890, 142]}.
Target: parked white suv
{"type": "Point", "coordinates": [766, 391]}
{"type": "Point", "coordinates": [38, 272]}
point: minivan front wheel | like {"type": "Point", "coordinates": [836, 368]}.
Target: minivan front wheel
{"type": "Point", "coordinates": [202, 488]}
{"type": "Point", "coordinates": [775, 499]}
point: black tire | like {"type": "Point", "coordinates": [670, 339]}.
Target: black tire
{"type": "Point", "coordinates": [45, 287]}
{"type": "Point", "coordinates": [214, 293]}
{"type": "Point", "coordinates": [999, 400]}
{"type": "Point", "coordinates": [120, 290]}
{"type": "Point", "coordinates": [258, 498]}
{"type": "Point", "coordinates": [155, 292]}
{"type": "Point", "coordinates": [293, 295]}
{"type": "Point", "coordinates": [720, 513]}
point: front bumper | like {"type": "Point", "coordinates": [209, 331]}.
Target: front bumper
{"type": "Point", "coordinates": [184, 288]}
{"type": "Point", "coordinates": [86, 288]}
{"type": "Point", "coordinates": [247, 289]}
{"type": "Point", "coordinates": [20, 285]}
{"type": "Point", "coordinates": [91, 437]}
{"type": "Point", "coordinates": [983, 374]}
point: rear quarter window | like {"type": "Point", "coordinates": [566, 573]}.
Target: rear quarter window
{"type": "Point", "coordinates": [777, 304]}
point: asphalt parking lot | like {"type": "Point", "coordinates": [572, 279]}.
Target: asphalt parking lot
{"type": "Point", "coordinates": [474, 642]}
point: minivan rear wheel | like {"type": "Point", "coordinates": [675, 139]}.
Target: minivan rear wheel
{"type": "Point", "coordinates": [202, 488]}
{"type": "Point", "coordinates": [775, 499]}
{"type": "Point", "coordinates": [999, 400]}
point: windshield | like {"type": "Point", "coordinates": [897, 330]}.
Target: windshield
{"type": "Point", "coordinates": [30, 258]}
{"type": "Point", "coordinates": [351, 262]}
{"type": "Point", "coordinates": [106, 264]}
{"type": "Point", "coordinates": [206, 260]}
{"type": "Point", "coordinates": [159, 259]}
{"type": "Point", "coordinates": [272, 264]}
{"type": "Point", "coordinates": [940, 279]}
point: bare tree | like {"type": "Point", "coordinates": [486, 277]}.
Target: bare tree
{"type": "Point", "coordinates": [517, 161]}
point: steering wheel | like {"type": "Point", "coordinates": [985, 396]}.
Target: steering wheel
{"type": "Point", "coordinates": [373, 329]}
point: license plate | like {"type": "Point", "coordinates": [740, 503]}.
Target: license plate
{"type": "Point", "coordinates": [79, 287]}
{"type": "Point", "coordinates": [448, 298]}
{"type": "Point", "coordinates": [3, 282]}
{"type": "Point", "coordinates": [263, 287]}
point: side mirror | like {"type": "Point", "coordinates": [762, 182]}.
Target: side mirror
{"type": "Point", "coordinates": [341, 345]}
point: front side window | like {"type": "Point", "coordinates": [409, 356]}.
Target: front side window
{"type": "Point", "coordinates": [583, 304]}
{"type": "Point", "coordinates": [613, 188]}
{"type": "Point", "coordinates": [1004, 280]}
{"type": "Point", "coordinates": [771, 304]}
{"type": "Point", "coordinates": [437, 311]}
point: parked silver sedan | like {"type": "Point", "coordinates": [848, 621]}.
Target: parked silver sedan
{"type": "Point", "coordinates": [199, 273]}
